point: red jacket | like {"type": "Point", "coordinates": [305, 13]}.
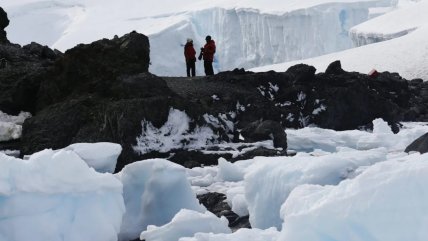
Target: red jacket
{"type": "Point", "coordinates": [209, 51]}
{"type": "Point", "coordinates": [189, 52]}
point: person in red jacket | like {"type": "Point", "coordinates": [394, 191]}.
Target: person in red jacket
{"type": "Point", "coordinates": [207, 52]}
{"type": "Point", "coordinates": [190, 55]}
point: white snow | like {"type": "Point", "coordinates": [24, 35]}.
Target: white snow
{"type": "Point", "coordinates": [11, 126]}
{"type": "Point", "coordinates": [174, 134]}
{"type": "Point", "coordinates": [310, 138]}
{"type": "Point", "coordinates": [55, 196]}
{"type": "Point", "coordinates": [154, 191]}
{"type": "Point", "coordinates": [186, 223]}
{"type": "Point", "coordinates": [388, 201]}
{"type": "Point", "coordinates": [102, 156]}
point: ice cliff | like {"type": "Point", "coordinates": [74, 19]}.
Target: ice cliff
{"type": "Point", "coordinates": [248, 33]}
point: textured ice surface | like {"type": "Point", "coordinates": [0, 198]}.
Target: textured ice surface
{"type": "Point", "coordinates": [55, 196]}
{"type": "Point", "coordinates": [388, 201]}
{"type": "Point", "coordinates": [154, 191]}
{"type": "Point", "coordinates": [406, 53]}
{"type": "Point", "coordinates": [102, 156]}
{"type": "Point", "coordinates": [186, 223]}
{"type": "Point", "coordinates": [268, 183]}
{"type": "Point", "coordinates": [254, 234]}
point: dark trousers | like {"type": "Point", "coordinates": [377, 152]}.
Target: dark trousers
{"type": "Point", "coordinates": [208, 66]}
{"type": "Point", "coordinates": [190, 66]}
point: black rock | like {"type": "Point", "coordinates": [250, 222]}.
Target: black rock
{"type": "Point", "coordinates": [266, 130]}
{"type": "Point", "coordinates": [4, 22]}
{"type": "Point", "coordinates": [98, 68]}
{"type": "Point", "coordinates": [420, 145]}
{"type": "Point", "coordinates": [334, 68]}
{"type": "Point", "coordinates": [302, 73]}
{"type": "Point", "coordinates": [215, 203]}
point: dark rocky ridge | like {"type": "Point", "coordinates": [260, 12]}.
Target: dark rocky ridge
{"type": "Point", "coordinates": [4, 22]}
{"type": "Point", "coordinates": [102, 91]}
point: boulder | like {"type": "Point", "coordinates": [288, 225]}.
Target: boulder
{"type": "Point", "coordinates": [266, 130]}
{"type": "Point", "coordinates": [301, 73]}
{"type": "Point", "coordinates": [419, 145]}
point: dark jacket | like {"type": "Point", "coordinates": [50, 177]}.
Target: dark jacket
{"type": "Point", "coordinates": [189, 52]}
{"type": "Point", "coordinates": [209, 51]}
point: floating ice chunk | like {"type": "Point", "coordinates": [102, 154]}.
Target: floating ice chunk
{"type": "Point", "coordinates": [154, 191]}
{"type": "Point", "coordinates": [56, 196]}
{"type": "Point", "coordinates": [381, 127]}
{"type": "Point", "coordinates": [388, 201]}
{"type": "Point", "coordinates": [186, 223]}
{"type": "Point", "coordinates": [254, 234]}
{"type": "Point", "coordinates": [269, 181]}
{"type": "Point", "coordinates": [102, 156]}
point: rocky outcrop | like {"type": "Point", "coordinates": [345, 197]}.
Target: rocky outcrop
{"type": "Point", "coordinates": [265, 130]}
{"type": "Point", "coordinates": [216, 203]}
{"type": "Point", "coordinates": [419, 145]}
{"type": "Point", "coordinates": [106, 68]}
{"type": "Point", "coordinates": [4, 22]}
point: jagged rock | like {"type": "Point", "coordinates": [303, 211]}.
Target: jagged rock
{"type": "Point", "coordinates": [260, 151]}
{"type": "Point", "coordinates": [191, 159]}
{"type": "Point", "coordinates": [334, 68]}
{"type": "Point", "coordinates": [97, 68]}
{"type": "Point", "coordinates": [302, 73]}
{"type": "Point", "coordinates": [95, 119]}
{"type": "Point", "coordinates": [266, 130]}
{"type": "Point", "coordinates": [20, 78]}
{"type": "Point", "coordinates": [420, 145]}
{"type": "Point", "coordinates": [215, 203]}
{"type": "Point", "coordinates": [43, 52]}
{"type": "Point", "coordinates": [4, 22]}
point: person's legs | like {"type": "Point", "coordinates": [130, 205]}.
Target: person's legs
{"type": "Point", "coordinates": [188, 66]}
{"type": "Point", "coordinates": [193, 68]}
{"type": "Point", "coordinates": [210, 68]}
{"type": "Point", "coordinates": [208, 65]}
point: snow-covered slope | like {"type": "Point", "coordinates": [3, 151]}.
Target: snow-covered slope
{"type": "Point", "coordinates": [248, 33]}
{"type": "Point", "coordinates": [407, 55]}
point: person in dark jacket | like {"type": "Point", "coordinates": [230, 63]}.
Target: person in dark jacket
{"type": "Point", "coordinates": [207, 52]}
{"type": "Point", "coordinates": [190, 55]}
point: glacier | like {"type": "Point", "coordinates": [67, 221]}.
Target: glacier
{"type": "Point", "coordinates": [405, 54]}
{"type": "Point", "coordinates": [248, 34]}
